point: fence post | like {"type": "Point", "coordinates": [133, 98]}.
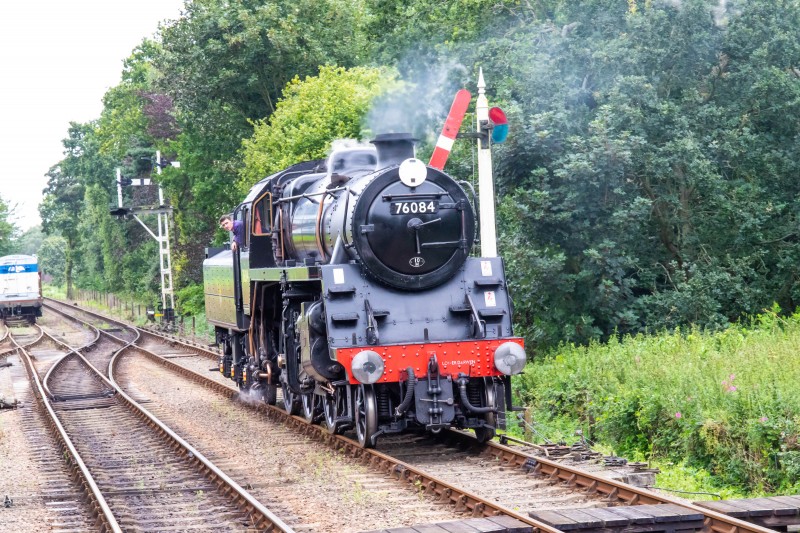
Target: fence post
{"type": "Point", "coordinates": [528, 425]}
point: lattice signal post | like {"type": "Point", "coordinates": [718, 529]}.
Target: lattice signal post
{"type": "Point", "coordinates": [162, 211]}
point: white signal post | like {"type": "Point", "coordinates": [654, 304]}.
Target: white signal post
{"type": "Point", "coordinates": [485, 178]}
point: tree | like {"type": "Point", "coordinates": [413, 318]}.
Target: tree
{"type": "Point", "coordinates": [52, 258]}
{"type": "Point", "coordinates": [7, 229]}
{"type": "Point", "coordinates": [416, 34]}
{"type": "Point", "coordinates": [123, 123]}
{"type": "Point", "coordinates": [224, 65]}
{"type": "Point", "coordinates": [650, 181]}
{"type": "Point", "coordinates": [239, 55]}
{"type": "Point", "coordinates": [59, 210]}
{"type": "Point", "coordinates": [29, 241]}
{"type": "Point", "coordinates": [313, 113]}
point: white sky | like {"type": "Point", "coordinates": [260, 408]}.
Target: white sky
{"type": "Point", "coordinates": [57, 59]}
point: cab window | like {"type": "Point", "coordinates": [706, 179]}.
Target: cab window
{"type": "Point", "coordinates": [262, 215]}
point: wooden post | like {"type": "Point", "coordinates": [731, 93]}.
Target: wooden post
{"type": "Point", "coordinates": [528, 425]}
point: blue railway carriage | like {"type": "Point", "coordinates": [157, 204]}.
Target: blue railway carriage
{"type": "Point", "coordinates": [20, 287]}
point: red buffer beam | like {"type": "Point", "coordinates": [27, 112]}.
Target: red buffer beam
{"type": "Point", "coordinates": [450, 130]}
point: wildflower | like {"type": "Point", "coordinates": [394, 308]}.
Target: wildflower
{"type": "Point", "coordinates": [733, 376]}
{"type": "Point", "coordinates": [732, 389]}
{"type": "Point", "coordinates": [678, 414]}
{"type": "Point", "coordinates": [724, 382]}
{"type": "Point", "coordinates": [763, 419]}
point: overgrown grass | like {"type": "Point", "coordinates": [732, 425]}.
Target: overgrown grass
{"type": "Point", "coordinates": [54, 291]}
{"type": "Point", "coordinates": [723, 408]}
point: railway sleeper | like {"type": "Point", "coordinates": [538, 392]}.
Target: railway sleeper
{"type": "Point", "coordinates": [492, 524]}
{"type": "Point", "coordinates": [77, 397]}
{"type": "Point", "coordinates": [656, 518]}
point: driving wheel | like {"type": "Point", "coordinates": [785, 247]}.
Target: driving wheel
{"type": "Point", "coordinates": [291, 401]}
{"type": "Point", "coordinates": [332, 405]}
{"type": "Point", "coordinates": [311, 406]}
{"type": "Point", "coordinates": [366, 409]}
{"type": "Point", "coordinates": [486, 433]}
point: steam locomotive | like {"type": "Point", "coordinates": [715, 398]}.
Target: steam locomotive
{"type": "Point", "coordinates": [354, 292]}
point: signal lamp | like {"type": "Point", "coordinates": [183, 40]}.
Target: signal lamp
{"type": "Point", "coordinates": [500, 130]}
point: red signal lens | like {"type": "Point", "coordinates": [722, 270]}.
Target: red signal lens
{"type": "Point", "coordinates": [498, 118]}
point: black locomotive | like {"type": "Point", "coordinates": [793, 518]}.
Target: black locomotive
{"type": "Point", "coordinates": [354, 292]}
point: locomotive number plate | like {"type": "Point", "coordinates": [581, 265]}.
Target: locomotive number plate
{"type": "Point", "coordinates": [414, 207]}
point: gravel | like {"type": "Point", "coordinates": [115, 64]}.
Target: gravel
{"type": "Point", "coordinates": [306, 483]}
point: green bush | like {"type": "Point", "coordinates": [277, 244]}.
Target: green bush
{"type": "Point", "coordinates": [191, 301]}
{"type": "Point", "coordinates": [721, 402]}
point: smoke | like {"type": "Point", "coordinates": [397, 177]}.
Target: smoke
{"type": "Point", "coordinates": [421, 104]}
{"type": "Point", "coordinates": [250, 396]}
{"type": "Point", "coordinates": [720, 13]}
{"type": "Point", "coordinates": [340, 144]}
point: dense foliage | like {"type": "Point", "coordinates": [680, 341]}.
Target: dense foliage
{"type": "Point", "coordinates": [648, 183]}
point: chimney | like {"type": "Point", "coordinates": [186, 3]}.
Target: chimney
{"type": "Point", "coordinates": [393, 148]}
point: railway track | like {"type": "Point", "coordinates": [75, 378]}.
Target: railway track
{"type": "Point", "coordinates": [475, 480]}
{"type": "Point", "coordinates": [295, 477]}
{"type": "Point", "coordinates": [5, 340]}
{"type": "Point", "coordinates": [137, 473]}
{"type": "Point", "coordinates": [44, 496]}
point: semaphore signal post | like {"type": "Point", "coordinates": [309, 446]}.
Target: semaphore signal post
{"type": "Point", "coordinates": [162, 211]}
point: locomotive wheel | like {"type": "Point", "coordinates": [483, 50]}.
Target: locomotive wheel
{"type": "Point", "coordinates": [332, 408]}
{"type": "Point", "coordinates": [291, 401]}
{"type": "Point", "coordinates": [366, 410]}
{"type": "Point", "coordinates": [311, 406]}
{"type": "Point", "coordinates": [486, 433]}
